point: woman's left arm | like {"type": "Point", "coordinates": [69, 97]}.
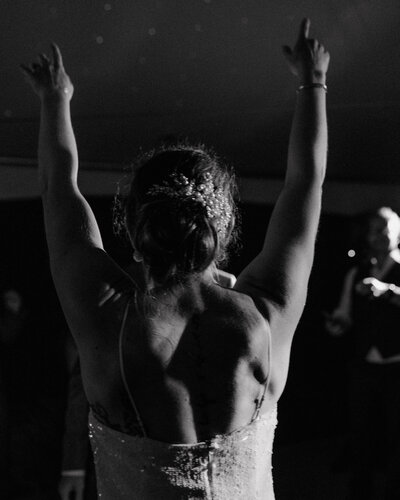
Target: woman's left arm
{"type": "Point", "coordinates": [82, 271]}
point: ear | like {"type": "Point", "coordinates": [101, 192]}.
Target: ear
{"type": "Point", "coordinates": [137, 256]}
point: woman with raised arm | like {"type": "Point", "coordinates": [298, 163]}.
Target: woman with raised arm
{"type": "Point", "coordinates": [183, 375]}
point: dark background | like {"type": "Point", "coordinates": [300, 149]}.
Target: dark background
{"type": "Point", "coordinates": [212, 71]}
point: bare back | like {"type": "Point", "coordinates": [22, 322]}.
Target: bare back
{"type": "Point", "coordinates": [195, 363]}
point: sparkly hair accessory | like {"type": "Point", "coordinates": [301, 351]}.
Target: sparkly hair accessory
{"type": "Point", "coordinates": [211, 198]}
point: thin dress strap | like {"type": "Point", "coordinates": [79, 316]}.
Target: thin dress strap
{"type": "Point", "coordinates": [265, 386]}
{"type": "Point", "coordinates": [121, 364]}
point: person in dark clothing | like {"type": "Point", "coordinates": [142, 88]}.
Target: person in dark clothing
{"type": "Point", "coordinates": [370, 308]}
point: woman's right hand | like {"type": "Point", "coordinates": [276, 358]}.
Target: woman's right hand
{"type": "Point", "coordinates": [337, 323]}
{"type": "Point", "coordinates": [308, 59]}
{"type": "Point", "coordinates": [48, 77]}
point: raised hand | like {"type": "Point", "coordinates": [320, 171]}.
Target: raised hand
{"type": "Point", "coordinates": [47, 77]}
{"type": "Point", "coordinates": [308, 59]}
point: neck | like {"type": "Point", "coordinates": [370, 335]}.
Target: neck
{"type": "Point", "coordinates": [185, 298]}
{"type": "Point", "coordinates": [192, 282]}
{"type": "Point", "coordinates": [382, 257]}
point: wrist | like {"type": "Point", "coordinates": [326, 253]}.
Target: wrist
{"type": "Point", "coordinates": [313, 77]}
{"type": "Point", "coordinates": [56, 97]}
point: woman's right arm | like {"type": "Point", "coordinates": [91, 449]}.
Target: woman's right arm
{"type": "Point", "coordinates": [279, 275]}
{"type": "Point", "coordinates": [86, 278]}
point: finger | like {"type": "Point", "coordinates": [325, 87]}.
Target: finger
{"type": "Point", "coordinates": [312, 43]}
{"type": "Point", "coordinates": [57, 57]}
{"type": "Point", "coordinates": [304, 29]}
{"type": "Point", "coordinates": [44, 59]}
{"type": "Point", "coordinates": [26, 70]}
{"type": "Point", "coordinates": [328, 57]}
{"type": "Point", "coordinates": [45, 63]}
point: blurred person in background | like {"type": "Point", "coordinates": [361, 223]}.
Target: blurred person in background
{"type": "Point", "coordinates": [369, 309]}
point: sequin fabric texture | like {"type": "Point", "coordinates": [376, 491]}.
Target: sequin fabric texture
{"type": "Point", "coordinates": [232, 466]}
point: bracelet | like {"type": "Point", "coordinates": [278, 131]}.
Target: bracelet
{"type": "Point", "coordinates": [312, 86]}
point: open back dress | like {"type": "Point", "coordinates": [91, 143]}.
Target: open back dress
{"type": "Point", "coordinates": [231, 466]}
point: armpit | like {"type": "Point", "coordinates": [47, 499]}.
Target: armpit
{"type": "Point", "coordinates": [112, 292]}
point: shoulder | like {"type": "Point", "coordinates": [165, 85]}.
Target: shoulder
{"type": "Point", "coordinates": [235, 302]}
{"type": "Point", "coordinates": [236, 315]}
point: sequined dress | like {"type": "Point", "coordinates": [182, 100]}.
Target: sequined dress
{"type": "Point", "coordinates": [232, 466]}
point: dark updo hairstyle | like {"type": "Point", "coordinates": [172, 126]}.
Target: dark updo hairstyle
{"type": "Point", "coordinates": [174, 235]}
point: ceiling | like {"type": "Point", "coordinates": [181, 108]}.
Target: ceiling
{"type": "Point", "coordinates": [209, 70]}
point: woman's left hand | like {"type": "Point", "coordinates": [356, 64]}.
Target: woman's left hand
{"type": "Point", "coordinates": [308, 59]}
{"type": "Point", "coordinates": [47, 77]}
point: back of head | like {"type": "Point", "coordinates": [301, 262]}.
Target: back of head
{"type": "Point", "coordinates": [180, 211]}
{"type": "Point", "coordinates": [392, 218]}
{"type": "Point", "coordinates": [382, 230]}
